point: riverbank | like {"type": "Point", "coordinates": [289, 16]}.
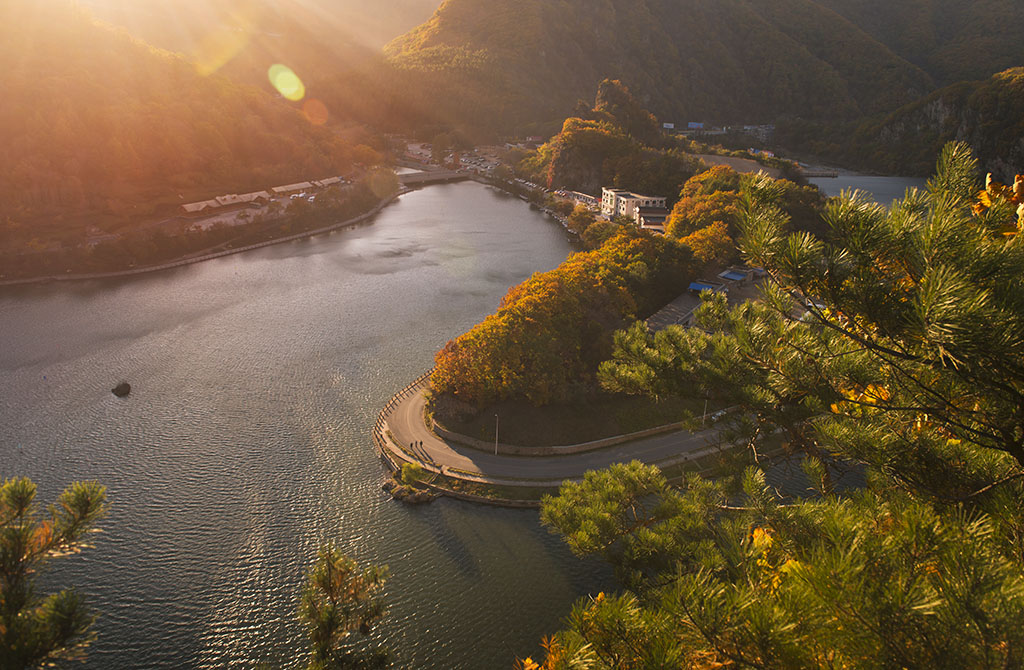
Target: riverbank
{"type": "Point", "coordinates": [200, 257]}
{"type": "Point", "coordinates": [244, 444]}
{"type": "Point", "coordinates": [189, 260]}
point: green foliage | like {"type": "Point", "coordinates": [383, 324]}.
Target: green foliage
{"type": "Point", "coordinates": [629, 515]}
{"type": "Point", "coordinates": [710, 205]}
{"type": "Point", "coordinates": [339, 600]}
{"type": "Point", "coordinates": [952, 40]}
{"type": "Point", "coordinates": [985, 113]}
{"type": "Point", "coordinates": [551, 331]}
{"type": "Point", "coordinates": [600, 232]}
{"type": "Point", "coordinates": [896, 345]}
{"type": "Point", "coordinates": [581, 218]}
{"type": "Point", "coordinates": [863, 582]}
{"type": "Point", "coordinates": [412, 473]}
{"type": "Point", "coordinates": [560, 206]}
{"type": "Point", "coordinates": [35, 630]}
{"type": "Point", "coordinates": [624, 111]}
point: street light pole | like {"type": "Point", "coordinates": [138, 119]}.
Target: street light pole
{"type": "Point", "coordinates": [704, 420]}
{"type": "Point", "coordinates": [495, 434]}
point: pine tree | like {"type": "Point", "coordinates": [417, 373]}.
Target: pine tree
{"type": "Point", "coordinates": [337, 601]}
{"type": "Point", "coordinates": [894, 344]}
{"type": "Point", "coordinates": [36, 630]}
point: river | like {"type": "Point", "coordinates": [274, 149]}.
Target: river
{"type": "Point", "coordinates": [245, 443]}
{"type": "Point", "coordinates": [883, 189]}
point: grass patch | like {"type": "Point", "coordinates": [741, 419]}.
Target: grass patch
{"type": "Point", "coordinates": [597, 417]}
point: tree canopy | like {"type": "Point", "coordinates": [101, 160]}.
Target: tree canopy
{"type": "Point", "coordinates": [551, 331]}
{"type": "Point", "coordinates": [894, 347]}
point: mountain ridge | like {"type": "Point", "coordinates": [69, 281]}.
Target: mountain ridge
{"type": "Point", "coordinates": [693, 60]}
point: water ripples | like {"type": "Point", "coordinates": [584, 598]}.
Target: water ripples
{"type": "Point", "coordinates": [245, 442]}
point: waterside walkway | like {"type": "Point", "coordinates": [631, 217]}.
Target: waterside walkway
{"type": "Point", "coordinates": [401, 427]}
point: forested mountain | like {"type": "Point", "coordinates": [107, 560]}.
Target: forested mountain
{"type": "Point", "coordinates": [988, 115]}
{"type": "Point", "coordinates": [96, 122]}
{"type": "Point", "coordinates": [242, 39]}
{"type": "Point", "coordinates": [333, 47]}
{"type": "Point", "coordinates": [952, 40]}
{"type": "Point", "coordinates": [509, 61]}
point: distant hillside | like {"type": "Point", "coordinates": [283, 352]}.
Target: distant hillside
{"type": "Point", "coordinates": [952, 40]}
{"type": "Point", "coordinates": [512, 61]}
{"type": "Point", "coordinates": [93, 122]}
{"type": "Point", "coordinates": [323, 42]}
{"type": "Point", "coordinates": [988, 115]}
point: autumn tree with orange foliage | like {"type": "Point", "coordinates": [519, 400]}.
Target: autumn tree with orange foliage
{"type": "Point", "coordinates": [716, 179]}
{"type": "Point", "coordinates": [693, 213]}
{"type": "Point", "coordinates": [551, 331]}
{"type": "Point", "coordinates": [717, 195]}
{"type": "Point", "coordinates": [711, 244]}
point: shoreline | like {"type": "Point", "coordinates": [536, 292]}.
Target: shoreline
{"type": "Point", "coordinates": [190, 260]}
{"type": "Point", "coordinates": [499, 479]}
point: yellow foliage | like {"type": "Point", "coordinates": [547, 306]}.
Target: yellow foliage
{"type": "Point", "coordinates": [861, 398]}
{"type": "Point", "coordinates": [554, 654]}
{"type": "Point", "coordinates": [710, 244]}
{"type": "Point", "coordinates": [762, 540]}
{"type": "Point", "coordinates": [996, 192]}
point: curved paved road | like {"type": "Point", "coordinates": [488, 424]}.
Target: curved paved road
{"type": "Point", "coordinates": [407, 425]}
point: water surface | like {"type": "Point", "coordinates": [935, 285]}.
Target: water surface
{"type": "Point", "coordinates": [245, 444]}
{"type": "Point", "coordinates": [883, 189]}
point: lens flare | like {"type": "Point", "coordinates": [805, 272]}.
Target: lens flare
{"type": "Point", "coordinates": [286, 82]}
{"type": "Point", "coordinates": [315, 111]}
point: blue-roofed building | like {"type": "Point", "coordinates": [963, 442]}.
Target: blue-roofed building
{"type": "Point", "coordinates": [737, 275]}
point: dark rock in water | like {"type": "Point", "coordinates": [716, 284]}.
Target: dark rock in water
{"type": "Point", "coordinates": [122, 389]}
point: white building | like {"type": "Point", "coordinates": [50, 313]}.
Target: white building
{"type": "Point", "coordinates": [617, 202]}
{"type": "Point", "coordinates": [582, 199]}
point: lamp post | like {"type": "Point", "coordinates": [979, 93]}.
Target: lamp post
{"type": "Point", "coordinates": [495, 434]}
{"type": "Point", "coordinates": [704, 420]}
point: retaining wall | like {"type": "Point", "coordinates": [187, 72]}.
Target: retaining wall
{"type": "Point", "coordinates": [565, 450]}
